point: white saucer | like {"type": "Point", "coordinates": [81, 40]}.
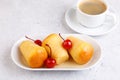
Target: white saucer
{"type": "Point", "coordinates": [109, 24]}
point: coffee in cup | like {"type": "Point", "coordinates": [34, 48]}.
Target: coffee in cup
{"type": "Point", "coordinates": [91, 13]}
{"type": "Point", "coordinates": [92, 7]}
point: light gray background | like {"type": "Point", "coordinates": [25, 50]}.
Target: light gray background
{"type": "Point", "coordinates": [21, 17]}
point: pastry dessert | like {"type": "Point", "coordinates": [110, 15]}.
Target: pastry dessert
{"type": "Point", "coordinates": [81, 51]}
{"type": "Point", "coordinates": [57, 51]}
{"type": "Point", "coordinates": [34, 54]}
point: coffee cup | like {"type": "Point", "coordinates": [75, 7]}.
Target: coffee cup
{"type": "Point", "coordinates": [91, 13]}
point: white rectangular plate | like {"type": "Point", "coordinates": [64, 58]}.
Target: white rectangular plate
{"type": "Point", "coordinates": [68, 65]}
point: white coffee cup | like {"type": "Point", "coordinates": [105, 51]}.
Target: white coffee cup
{"type": "Point", "coordinates": [91, 13]}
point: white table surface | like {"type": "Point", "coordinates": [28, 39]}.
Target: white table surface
{"type": "Point", "coordinates": [26, 17]}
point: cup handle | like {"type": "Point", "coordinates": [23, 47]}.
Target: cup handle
{"type": "Point", "coordinates": [112, 15]}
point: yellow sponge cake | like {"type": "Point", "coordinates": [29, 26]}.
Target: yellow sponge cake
{"type": "Point", "coordinates": [81, 51]}
{"type": "Point", "coordinates": [58, 52]}
{"type": "Point", "coordinates": [34, 55]}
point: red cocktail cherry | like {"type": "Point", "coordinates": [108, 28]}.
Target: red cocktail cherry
{"type": "Point", "coordinates": [67, 44]}
{"type": "Point", "coordinates": [50, 62]}
{"type": "Point", "coordinates": [37, 41]}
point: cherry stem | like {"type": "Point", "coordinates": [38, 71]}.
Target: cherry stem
{"type": "Point", "coordinates": [61, 36]}
{"type": "Point", "coordinates": [49, 48]}
{"type": "Point", "coordinates": [29, 38]}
